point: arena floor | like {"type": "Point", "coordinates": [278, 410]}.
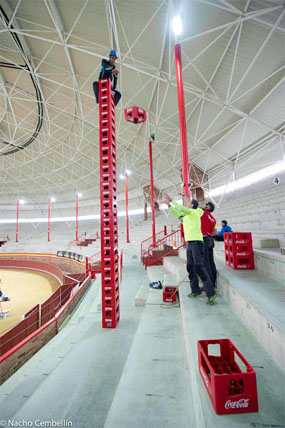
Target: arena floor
{"type": "Point", "coordinates": [26, 288]}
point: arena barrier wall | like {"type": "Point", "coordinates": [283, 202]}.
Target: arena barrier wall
{"type": "Point", "coordinates": [40, 323]}
{"type": "Point", "coordinates": [15, 357]}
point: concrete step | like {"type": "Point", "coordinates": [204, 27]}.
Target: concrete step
{"type": "Point", "coordinates": [269, 262]}
{"type": "Point", "coordinates": [154, 389]}
{"type": "Point", "coordinates": [200, 321]}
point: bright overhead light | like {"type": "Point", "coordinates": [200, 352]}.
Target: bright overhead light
{"type": "Point", "coordinates": [52, 199]}
{"type": "Point", "coordinates": [122, 176]}
{"type": "Point", "coordinates": [177, 25]}
{"type": "Point", "coordinates": [248, 180]}
{"type": "Point", "coordinates": [79, 195]}
{"type": "Point", "coordinates": [128, 172]}
{"type": "Point", "coordinates": [21, 201]}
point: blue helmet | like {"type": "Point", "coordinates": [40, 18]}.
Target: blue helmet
{"type": "Point", "coordinates": [113, 53]}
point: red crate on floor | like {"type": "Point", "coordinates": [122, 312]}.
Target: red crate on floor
{"type": "Point", "coordinates": [231, 390]}
{"type": "Point", "coordinates": [169, 294]}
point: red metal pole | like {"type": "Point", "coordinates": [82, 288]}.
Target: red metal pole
{"type": "Point", "coordinates": [76, 224]}
{"type": "Point", "coordinates": [151, 192]}
{"type": "Point", "coordinates": [127, 213]}
{"type": "Point", "coordinates": [182, 121]}
{"type": "Point", "coordinates": [17, 222]}
{"type": "Point", "coordinates": [48, 220]}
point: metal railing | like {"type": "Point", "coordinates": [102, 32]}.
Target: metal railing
{"type": "Point", "coordinates": [148, 241]}
{"type": "Point", "coordinates": [164, 247]}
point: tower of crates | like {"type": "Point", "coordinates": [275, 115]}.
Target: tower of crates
{"type": "Point", "coordinates": [108, 207]}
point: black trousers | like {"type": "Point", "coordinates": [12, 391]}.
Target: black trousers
{"type": "Point", "coordinates": [209, 261]}
{"type": "Point", "coordinates": [218, 238]}
{"type": "Point", "coordinates": [195, 266]}
{"type": "Point", "coordinates": [96, 93]}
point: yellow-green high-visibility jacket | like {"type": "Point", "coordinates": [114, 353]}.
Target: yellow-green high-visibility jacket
{"type": "Point", "coordinates": [191, 221]}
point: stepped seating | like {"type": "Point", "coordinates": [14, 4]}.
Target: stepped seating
{"type": "Point", "coordinates": [249, 311]}
{"type": "Point", "coordinates": [262, 213]}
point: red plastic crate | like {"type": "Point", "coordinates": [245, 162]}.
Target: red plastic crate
{"type": "Point", "coordinates": [135, 114]}
{"type": "Point", "coordinates": [230, 389]}
{"type": "Point", "coordinates": [169, 294]}
{"type": "Point", "coordinates": [241, 263]}
{"type": "Point", "coordinates": [238, 250]}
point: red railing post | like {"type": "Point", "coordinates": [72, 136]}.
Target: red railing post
{"type": "Point", "coordinates": [182, 121]}
{"type": "Point", "coordinates": [165, 230]}
{"type": "Point", "coordinates": [151, 192]}
{"type": "Point", "coordinates": [17, 221]}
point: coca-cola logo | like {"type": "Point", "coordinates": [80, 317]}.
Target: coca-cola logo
{"type": "Point", "coordinates": [243, 402]}
{"type": "Point", "coordinates": [204, 376]}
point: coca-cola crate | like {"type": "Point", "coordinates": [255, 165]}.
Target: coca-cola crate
{"type": "Point", "coordinates": [245, 262]}
{"type": "Point", "coordinates": [169, 294]}
{"type": "Point", "coordinates": [230, 389]}
{"type": "Point", "coordinates": [238, 238]}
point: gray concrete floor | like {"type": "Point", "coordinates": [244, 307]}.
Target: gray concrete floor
{"type": "Point", "coordinates": [75, 376]}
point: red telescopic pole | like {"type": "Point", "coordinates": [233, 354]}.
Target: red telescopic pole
{"type": "Point", "coordinates": [17, 222]}
{"type": "Point", "coordinates": [76, 223]}
{"type": "Point", "coordinates": [182, 121]}
{"type": "Point", "coordinates": [127, 213]}
{"type": "Point", "coordinates": [49, 220]}
{"type": "Point", "coordinates": [151, 192]}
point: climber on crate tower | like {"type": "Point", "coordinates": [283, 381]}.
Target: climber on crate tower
{"type": "Point", "coordinates": [108, 71]}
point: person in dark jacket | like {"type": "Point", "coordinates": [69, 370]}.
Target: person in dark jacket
{"type": "Point", "coordinates": [225, 228]}
{"type": "Point", "coordinates": [108, 71]}
{"type": "Point", "coordinates": [209, 230]}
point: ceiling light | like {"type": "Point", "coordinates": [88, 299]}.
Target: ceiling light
{"type": "Point", "coordinates": [122, 176]}
{"type": "Point", "coordinates": [128, 172]}
{"type": "Point", "coordinates": [21, 201]}
{"type": "Point", "coordinates": [52, 199]}
{"type": "Point", "coordinates": [79, 195]}
{"type": "Point", "coordinates": [177, 25]}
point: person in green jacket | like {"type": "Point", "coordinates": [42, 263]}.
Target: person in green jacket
{"type": "Point", "coordinates": [191, 216]}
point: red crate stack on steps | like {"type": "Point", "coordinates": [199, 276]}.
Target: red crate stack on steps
{"type": "Point", "coordinates": [108, 198]}
{"type": "Point", "coordinates": [238, 250]}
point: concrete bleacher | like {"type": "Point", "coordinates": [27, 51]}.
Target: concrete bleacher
{"type": "Point", "coordinates": [261, 213]}
{"type": "Point", "coordinates": [146, 373]}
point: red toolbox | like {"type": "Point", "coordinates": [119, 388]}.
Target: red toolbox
{"type": "Point", "coordinates": [231, 390]}
{"type": "Point", "coordinates": [169, 294]}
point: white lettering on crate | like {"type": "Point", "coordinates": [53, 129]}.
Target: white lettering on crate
{"type": "Point", "coordinates": [243, 402]}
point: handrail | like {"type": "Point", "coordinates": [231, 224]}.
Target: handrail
{"type": "Point", "coordinates": [157, 251]}
{"type": "Point", "coordinates": [144, 245]}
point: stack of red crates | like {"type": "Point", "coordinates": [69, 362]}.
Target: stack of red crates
{"type": "Point", "coordinates": [238, 250]}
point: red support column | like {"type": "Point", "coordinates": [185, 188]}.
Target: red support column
{"type": "Point", "coordinates": [127, 209]}
{"type": "Point", "coordinates": [165, 230]}
{"type": "Point", "coordinates": [49, 220]}
{"type": "Point", "coordinates": [182, 122]}
{"type": "Point", "coordinates": [151, 192]}
{"type": "Point", "coordinates": [17, 222]}
{"type": "Point", "coordinates": [108, 200]}
{"type": "Point", "coordinates": [76, 222]}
